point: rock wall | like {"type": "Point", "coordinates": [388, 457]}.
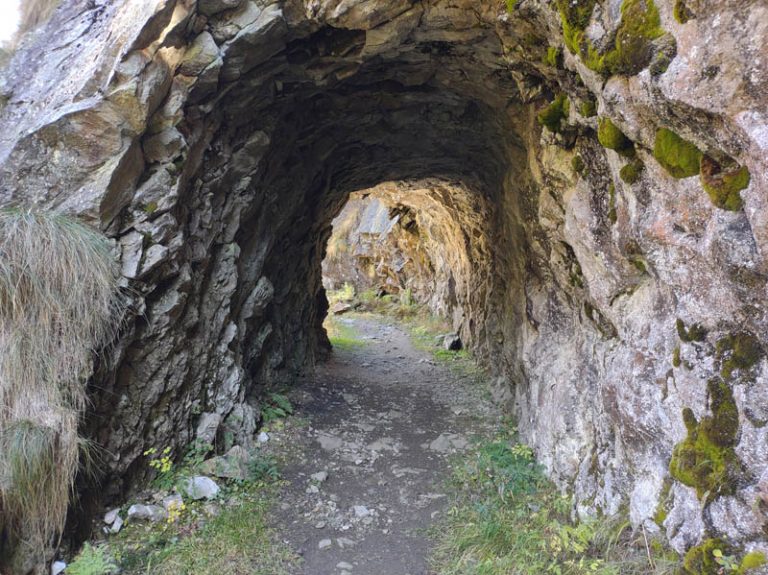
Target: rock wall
{"type": "Point", "coordinates": [215, 142]}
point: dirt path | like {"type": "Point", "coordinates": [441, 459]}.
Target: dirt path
{"type": "Point", "coordinates": [368, 472]}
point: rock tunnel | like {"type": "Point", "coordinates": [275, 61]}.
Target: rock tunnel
{"type": "Point", "coordinates": [215, 142]}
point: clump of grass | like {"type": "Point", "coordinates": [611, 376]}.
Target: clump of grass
{"type": "Point", "coordinates": [237, 541]}
{"type": "Point", "coordinates": [508, 519]}
{"type": "Point", "coordinates": [59, 302]}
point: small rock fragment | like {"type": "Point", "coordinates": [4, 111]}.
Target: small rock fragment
{"type": "Point", "coordinates": [324, 544]}
{"type": "Point", "coordinates": [58, 567]}
{"type": "Point", "coordinates": [142, 512]}
{"type": "Point", "coordinates": [111, 515]}
{"type": "Point", "coordinates": [320, 476]}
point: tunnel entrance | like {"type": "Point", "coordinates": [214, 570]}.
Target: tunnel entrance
{"type": "Point", "coordinates": [424, 242]}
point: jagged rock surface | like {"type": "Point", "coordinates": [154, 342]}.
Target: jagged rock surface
{"type": "Point", "coordinates": [215, 145]}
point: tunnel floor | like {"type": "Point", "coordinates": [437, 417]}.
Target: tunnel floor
{"type": "Point", "coordinates": [384, 421]}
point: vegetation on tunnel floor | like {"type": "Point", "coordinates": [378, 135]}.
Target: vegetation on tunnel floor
{"type": "Point", "coordinates": [508, 519]}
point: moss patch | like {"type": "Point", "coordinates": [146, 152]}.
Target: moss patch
{"type": "Point", "coordinates": [588, 109]}
{"type": "Point", "coordinates": [681, 12]}
{"type": "Point", "coordinates": [723, 185]}
{"type": "Point", "coordinates": [712, 555]}
{"type": "Point", "coordinates": [609, 136]}
{"type": "Point", "coordinates": [553, 115]}
{"type": "Point", "coordinates": [578, 165]}
{"type": "Point", "coordinates": [630, 173]}
{"type": "Point", "coordinates": [665, 503]}
{"type": "Point", "coordinates": [640, 25]}
{"type": "Point", "coordinates": [633, 46]}
{"type": "Point", "coordinates": [696, 332]}
{"type": "Point", "coordinates": [575, 18]}
{"type": "Point", "coordinates": [705, 459]}
{"type": "Point", "coordinates": [554, 57]}
{"type": "Point", "coordinates": [676, 361]}
{"type": "Point", "coordinates": [738, 351]}
{"type": "Point", "coordinates": [679, 157]}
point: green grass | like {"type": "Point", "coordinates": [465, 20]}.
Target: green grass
{"type": "Point", "coordinates": [506, 518]}
{"type": "Point", "coordinates": [342, 336]}
{"type": "Point", "coordinates": [237, 542]}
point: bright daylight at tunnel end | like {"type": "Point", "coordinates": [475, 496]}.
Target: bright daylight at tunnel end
{"type": "Point", "coordinates": [211, 209]}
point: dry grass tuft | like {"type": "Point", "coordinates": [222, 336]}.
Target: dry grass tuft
{"type": "Point", "coordinates": [59, 303]}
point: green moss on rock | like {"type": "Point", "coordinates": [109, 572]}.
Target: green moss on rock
{"type": "Point", "coordinates": [553, 115]}
{"type": "Point", "coordinates": [752, 560]}
{"type": "Point", "coordinates": [630, 173]}
{"type": "Point", "coordinates": [681, 12]}
{"type": "Point", "coordinates": [554, 57]}
{"type": "Point", "coordinates": [612, 214]}
{"type": "Point", "coordinates": [640, 25]}
{"type": "Point", "coordinates": [611, 137]}
{"type": "Point", "coordinates": [700, 560]}
{"type": "Point", "coordinates": [738, 351]}
{"type": "Point", "coordinates": [696, 332]}
{"type": "Point", "coordinates": [723, 185]}
{"type": "Point", "coordinates": [575, 16]}
{"type": "Point", "coordinates": [679, 157]}
{"type": "Point", "coordinates": [588, 109]}
{"type": "Point", "coordinates": [578, 165]}
{"type": "Point", "coordinates": [676, 361]}
{"type": "Point", "coordinates": [705, 459]}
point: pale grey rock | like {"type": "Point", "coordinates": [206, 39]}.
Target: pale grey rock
{"type": "Point", "coordinates": [116, 526]}
{"type": "Point", "coordinates": [200, 487]}
{"type": "Point", "coordinates": [452, 342]}
{"type": "Point", "coordinates": [324, 544]}
{"type": "Point", "coordinates": [344, 565]}
{"type": "Point", "coordinates": [141, 512]}
{"type": "Point", "coordinates": [58, 567]}
{"type": "Point", "coordinates": [111, 515]}
{"type": "Point", "coordinates": [208, 426]}
{"type": "Point", "coordinates": [320, 476]}
{"type": "Point", "coordinates": [263, 437]}
{"type": "Point", "coordinates": [172, 501]}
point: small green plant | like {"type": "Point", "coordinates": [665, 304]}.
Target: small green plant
{"type": "Point", "coordinates": [276, 406]}
{"type": "Point", "coordinates": [92, 561]}
{"type": "Point", "coordinates": [263, 469]}
{"type": "Point", "coordinates": [163, 465]}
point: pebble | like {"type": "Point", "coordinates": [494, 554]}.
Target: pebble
{"type": "Point", "coordinates": [111, 515]}
{"type": "Point", "coordinates": [324, 544]}
{"type": "Point", "coordinates": [344, 542]}
{"type": "Point", "coordinates": [263, 437]}
{"type": "Point", "coordinates": [361, 511]}
{"type": "Point", "coordinates": [320, 476]}
{"type": "Point", "coordinates": [344, 565]}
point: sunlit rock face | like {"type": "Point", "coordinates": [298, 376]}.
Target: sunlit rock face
{"type": "Point", "coordinates": [216, 143]}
